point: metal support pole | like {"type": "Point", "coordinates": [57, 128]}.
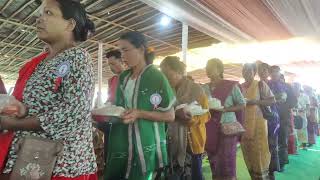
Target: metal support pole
{"type": "Point", "coordinates": [185, 36]}
{"type": "Point", "coordinates": [100, 57]}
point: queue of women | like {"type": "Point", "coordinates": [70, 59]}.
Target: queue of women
{"type": "Point", "coordinates": [46, 129]}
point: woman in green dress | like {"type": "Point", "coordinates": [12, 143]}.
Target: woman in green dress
{"type": "Point", "coordinates": [137, 146]}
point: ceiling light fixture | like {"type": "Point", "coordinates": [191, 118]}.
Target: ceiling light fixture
{"type": "Point", "coordinates": [165, 20]}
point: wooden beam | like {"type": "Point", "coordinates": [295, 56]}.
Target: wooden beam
{"type": "Point", "coordinates": [21, 46]}
{"type": "Point", "coordinates": [27, 3]}
{"type": "Point", "coordinates": [126, 28]}
{"type": "Point", "coordinates": [113, 34]}
{"type": "Point", "coordinates": [116, 8]}
{"type": "Point", "coordinates": [6, 5]}
{"type": "Point", "coordinates": [17, 29]}
{"type": "Point", "coordinates": [17, 24]}
{"type": "Point", "coordinates": [93, 4]}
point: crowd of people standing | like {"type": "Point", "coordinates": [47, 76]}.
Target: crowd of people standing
{"type": "Point", "coordinates": [266, 108]}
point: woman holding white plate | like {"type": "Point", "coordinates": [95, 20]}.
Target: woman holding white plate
{"type": "Point", "coordinates": [187, 135]}
{"type": "Point", "coordinates": [224, 127]}
{"type": "Point", "coordinates": [254, 142]}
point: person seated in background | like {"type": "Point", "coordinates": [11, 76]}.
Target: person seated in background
{"type": "Point", "coordinates": [187, 135]}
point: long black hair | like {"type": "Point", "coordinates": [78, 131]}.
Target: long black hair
{"type": "Point", "coordinates": [138, 40]}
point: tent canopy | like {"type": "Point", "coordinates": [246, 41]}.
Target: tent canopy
{"type": "Point", "coordinates": [210, 21]}
{"type": "Point", "coordinates": [18, 39]}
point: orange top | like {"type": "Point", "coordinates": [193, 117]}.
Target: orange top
{"type": "Point", "coordinates": [197, 129]}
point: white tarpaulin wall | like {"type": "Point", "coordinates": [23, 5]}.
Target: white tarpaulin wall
{"type": "Point", "coordinates": [301, 17]}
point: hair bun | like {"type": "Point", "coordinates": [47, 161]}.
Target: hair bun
{"type": "Point", "coordinates": [90, 26]}
{"type": "Point", "coordinates": [89, 29]}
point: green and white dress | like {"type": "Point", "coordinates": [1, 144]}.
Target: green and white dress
{"type": "Point", "coordinates": [137, 150]}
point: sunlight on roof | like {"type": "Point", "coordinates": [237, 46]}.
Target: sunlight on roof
{"type": "Point", "coordinates": [283, 53]}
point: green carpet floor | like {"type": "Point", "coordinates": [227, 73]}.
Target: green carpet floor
{"type": "Point", "coordinates": [305, 166]}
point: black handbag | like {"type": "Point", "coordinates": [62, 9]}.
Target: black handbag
{"type": "Point", "coordinates": [267, 113]}
{"type": "Point", "coordinates": [298, 122]}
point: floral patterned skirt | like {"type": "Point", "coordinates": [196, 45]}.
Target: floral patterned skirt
{"type": "Point", "coordinates": [83, 177]}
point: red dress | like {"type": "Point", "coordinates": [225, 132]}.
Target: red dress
{"type": "Point", "coordinates": [24, 74]}
{"type": "Point", "coordinates": [292, 148]}
{"type": "Point", "coordinates": [113, 84]}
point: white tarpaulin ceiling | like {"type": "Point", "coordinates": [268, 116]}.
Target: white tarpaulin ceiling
{"type": "Point", "coordinates": [301, 17]}
{"type": "Point", "coordinates": [299, 55]}
{"type": "Point", "coordinates": [244, 27]}
{"type": "Point", "coordinates": [286, 34]}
